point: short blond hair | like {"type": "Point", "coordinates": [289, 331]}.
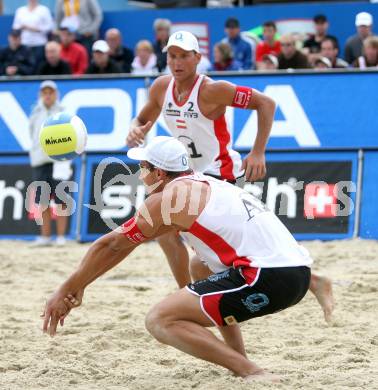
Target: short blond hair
{"type": "Point", "coordinates": [162, 23]}
{"type": "Point", "coordinates": [144, 44]}
{"type": "Point", "coordinates": [371, 41]}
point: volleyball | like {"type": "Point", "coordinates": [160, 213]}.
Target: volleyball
{"type": "Point", "coordinates": [63, 136]}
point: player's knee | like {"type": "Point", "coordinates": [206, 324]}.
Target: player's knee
{"type": "Point", "coordinates": [157, 321]}
{"type": "Point", "coordinates": [170, 239]}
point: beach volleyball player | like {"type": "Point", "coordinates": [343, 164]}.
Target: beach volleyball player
{"type": "Point", "coordinates": [258, 267]}
{"type": "Point", "coordinates": [194, 109]}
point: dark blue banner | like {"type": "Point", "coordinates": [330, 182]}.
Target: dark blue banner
{"type": "Point", "coordinates": [312, 193]}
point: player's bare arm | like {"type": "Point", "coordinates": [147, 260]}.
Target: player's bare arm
{"type": "Point", "coordinates": [223, 93]}
{"type": "Point", "coordinates": [162, 212]}
{"type": "Point", "coordinates": [143, 122]}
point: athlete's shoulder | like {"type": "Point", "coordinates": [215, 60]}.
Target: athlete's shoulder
{"type": "Point", "coordinates": [159, 88]}
{"type": "Point", "coordinates": [161, 82]}
{"type": "Point", "coordinates": [211, 88]}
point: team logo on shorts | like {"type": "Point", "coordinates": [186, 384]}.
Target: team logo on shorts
{"type": "Point", "coordinates": [230, 320]}
{"type": "Point", "coordinates": [255, 302]}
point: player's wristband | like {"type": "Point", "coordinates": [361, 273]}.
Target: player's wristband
{"type": "Point", "coordinates": [242, 97]}
{"type": "Point", "coordinates": [132, 232]}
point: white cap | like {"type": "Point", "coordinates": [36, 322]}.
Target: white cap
{"type": "Point", "coordinates": [364, 19]}
{"type": "Point", "coordinates": [48, 84]}
{"type": "Point", "coordinates": [101, 46]}
{"type": "Point", "coordinates": [163, 152]}
{"type": "Point", "coordinates": [184, 40]}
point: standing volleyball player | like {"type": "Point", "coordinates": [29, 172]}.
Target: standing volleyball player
{"type": "Point", "coordinates": [46, 170]}
{"type": "Point", "coordinates": [194, 108]}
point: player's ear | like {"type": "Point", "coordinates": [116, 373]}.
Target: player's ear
{"type": "Point", "coordinates": [160, 173]}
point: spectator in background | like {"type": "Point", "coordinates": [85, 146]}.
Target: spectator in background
{"type": "Point", "coordinates": [162, 28]}
{"type": "Point", "coordinates": [122, 55]}
{"type": "Point", "coordinates": [241, 48]}
{"type": "Point", "coordinates": [53, 65]}
{"type": "Point", "coordinates": [43, 168]}
{"type": "Point", "coordinates": [330, 49]}
{"type": "Point", "coordinates": [369, 56]}
{"type": "Point", "coordinates": [269, 45]}
{"type": "Point", "coordinates": [16, 59]}
{"type": "Point", "coordinates": [72, 52]}
{"type": "Point", "coordinates": [353, 46]}
{"type": "Point", "coordinates": [321, 63]}
{"type": "Point", "coordinates": [269, 62]}
{"type": "Point", "coordinates": [83, 16]}
{"type": "Point", "coordinates": [224, 58]}
{"type": "Point", "coordinates": [290, 57]}
{"type": "Point", "coordinates": [101, 62]}
{"type": "Point", "coordinates": [312, 44]}
{"type": "Point", "coordinates": [35, 22]}
{"type": "Point", "coordinates": [145, 59]}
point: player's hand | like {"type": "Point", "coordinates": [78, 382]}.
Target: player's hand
{"type": "Point", "coordinates": [254, 166]}
{"type": "Point", "coordinates": [54, 310]}
{"type": "Point", "coordinates": [72, 302]}
{"type": "Point", "coordinates": [136, 135]}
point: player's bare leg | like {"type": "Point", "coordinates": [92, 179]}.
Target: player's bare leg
{"type": "Point", "coordinates": [231, 334]}
{"type": "Point", "coordinates": [46, 223]}
{"type": "Point", "coordinates": [179, 321]}
{"type": "Point", "coordinates": [321, 287]}
{"type": "Point", "coordinates": [61, 219]}
{"type": "Point", "coordinates": [177, 256]}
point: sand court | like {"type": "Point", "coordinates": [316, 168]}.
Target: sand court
{"type": "Point", "coordinates": [104, 345]}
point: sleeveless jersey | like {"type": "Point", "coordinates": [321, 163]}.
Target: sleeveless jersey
{"type": "Point", "coordinates": [207, 141]}
{"type": "Point", "coordinates": [236, 229]}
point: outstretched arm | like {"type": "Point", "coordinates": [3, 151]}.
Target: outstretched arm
{"type": "Point", "coordinates": [104, 254]}
{"type": "Point", "coordinates": [143, 122]}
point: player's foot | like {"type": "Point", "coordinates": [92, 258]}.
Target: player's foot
{"type": "Point", "coordinates": [263, 376]}
{"type": "Point", "coordinates": [322, 289]}
{"type": "Point", "coordinates": [60, 241]}
{"type": "Point", "coordinates": [41, 241]}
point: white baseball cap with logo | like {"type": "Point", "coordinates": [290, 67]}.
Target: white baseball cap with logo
{"type": "Point", "coordinates": [364, 19]}
{"type": "Point", "coordinates": [184, 40]}
{"type": "Point", "coordinates": [163, 152]}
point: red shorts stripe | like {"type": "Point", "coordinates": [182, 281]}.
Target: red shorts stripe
{"type": "Point", "coordinates": [210, 304]}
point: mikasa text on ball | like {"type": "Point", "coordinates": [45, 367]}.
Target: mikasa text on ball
{"type": "Point", "coordinates": [63, 136]}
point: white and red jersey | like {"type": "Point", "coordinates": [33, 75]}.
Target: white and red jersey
{"type": "Point", "coordinates": [236, 229]}
{"type": "Point", "coordinates": [207, 141]}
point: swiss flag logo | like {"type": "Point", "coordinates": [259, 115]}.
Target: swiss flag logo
{"type": "Point", "coordinates": [320, 200]}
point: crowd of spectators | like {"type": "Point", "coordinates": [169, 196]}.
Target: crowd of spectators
{"type": "Point", "coordinates": [70, 44]}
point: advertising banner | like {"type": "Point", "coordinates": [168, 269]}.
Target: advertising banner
{"type": "Point", "coordinates": [369, 203]}
{"type": "Point", "coordinates": [112, 191]}
{"type": "Point", "coordinates": [312, 193]}
{"type": "Point", "coordinates": [18, 212]}
{"type": "Point", "coordinates": [313, 111]}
